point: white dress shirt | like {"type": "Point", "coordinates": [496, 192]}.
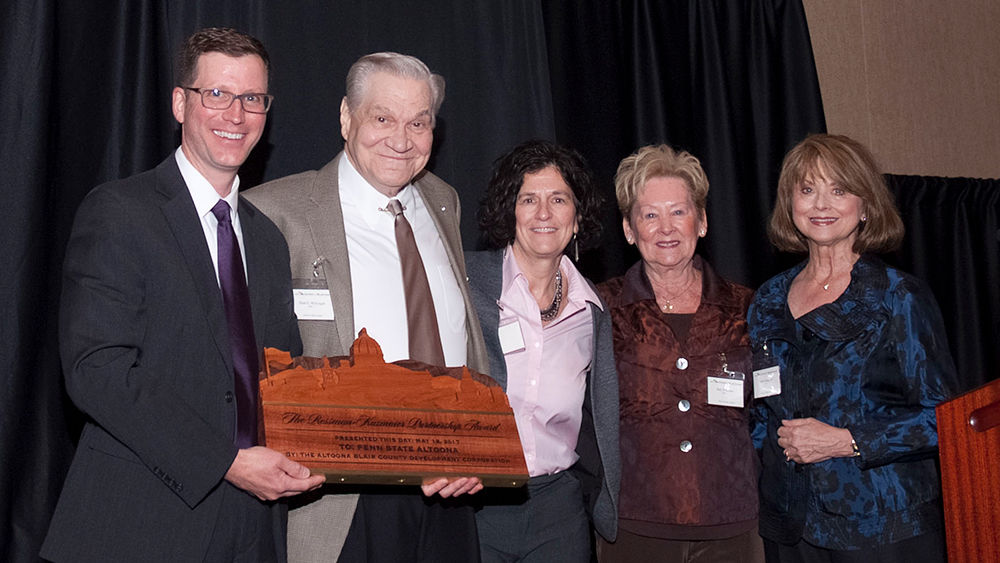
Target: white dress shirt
{"type": "Point", "coordinates": [376, 274]}
{"type": "Point", "coordinates": [205, 197]}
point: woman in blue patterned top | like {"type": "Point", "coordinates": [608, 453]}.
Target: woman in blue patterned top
{"type": "Point", "coordinates": [850, 359]}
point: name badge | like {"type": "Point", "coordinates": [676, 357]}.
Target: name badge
{"type": "Point", "coordinates": [313, 304]}
{"type": "Point", "coordinates": [726, 391]}
{"type": "Point", "coordinates": [766, 382]}
{"type": "Point", "coordinates": [511, 339]}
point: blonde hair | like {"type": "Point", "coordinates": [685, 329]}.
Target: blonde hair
{"type": "Point", "coordinates": [659, 161]}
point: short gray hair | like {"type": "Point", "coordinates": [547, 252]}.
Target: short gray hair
{"type": "Point", "coordinates": [397, 65]}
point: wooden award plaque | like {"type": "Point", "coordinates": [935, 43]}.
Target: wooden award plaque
{"type": "Point", "coordinates": [358, 419]}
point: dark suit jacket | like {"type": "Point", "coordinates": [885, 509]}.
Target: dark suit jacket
{"type": "Point", "coordinates": [146, 356]}
{"type": "Point", "coordinates": [306, 207]}
{"type": "Point", "coordinates": [599, 466]}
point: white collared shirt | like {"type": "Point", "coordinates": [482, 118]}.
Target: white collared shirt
{"type": "Point", "coordinates": [376, 275]}
{"type": "Point", "coordinates": [205, 197]}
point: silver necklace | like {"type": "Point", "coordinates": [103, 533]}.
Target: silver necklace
{"type": "Point", "coordinates": [549, 313]}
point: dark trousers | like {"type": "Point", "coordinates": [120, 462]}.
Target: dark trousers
{"type": "Point", "coordinates": [925, 548]}
{"type": "Point", "coordinates": [390, 527]}
{"type": "Point", "coordinates": [633, 548]}
{"type": "Point", "coordinates": [543, 522]}
{"type": "Point", "coordinates": [248, 530]}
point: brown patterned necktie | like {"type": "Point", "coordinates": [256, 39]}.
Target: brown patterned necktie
{"type": "Point", "coordinates": [421, 318]}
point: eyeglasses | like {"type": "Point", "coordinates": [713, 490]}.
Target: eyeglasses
{"type": "Point", "coordinates": [213, 98]}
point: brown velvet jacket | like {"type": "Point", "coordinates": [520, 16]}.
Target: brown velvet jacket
{"type": "Point", "coordinates": [710, 490]}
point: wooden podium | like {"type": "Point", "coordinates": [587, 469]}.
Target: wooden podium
{"type": "Point", "coordinates": [969, 444]}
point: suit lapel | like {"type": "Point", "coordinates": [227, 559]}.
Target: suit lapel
{"type": "Point", "coordinates": [326, 225]}
{"type": "Point", "coordinates": [492, 284]}
{"type": "Point", "coordinates": [256, 269]}
{"type": "Point", "coordinates": [181, 216]}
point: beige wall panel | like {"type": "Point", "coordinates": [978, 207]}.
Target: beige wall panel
{"type": "Point", "coordinates": [926, 95]}
{"type": "Point", "coordinates": [835, 29]}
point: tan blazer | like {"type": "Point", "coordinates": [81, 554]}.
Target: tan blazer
{"type": "Point", "coordinates": [306, 208]}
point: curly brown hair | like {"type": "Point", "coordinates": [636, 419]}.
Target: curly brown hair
{"type": "Point", "coordinates": [496, 211]}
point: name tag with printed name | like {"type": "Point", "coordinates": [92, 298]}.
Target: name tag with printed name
{"type": "Point", "coordinates": [313, 304]}
{"type": "Point", "coordinates": [766, 382]}
{"type": "Point", "coordinates": [726, 391]}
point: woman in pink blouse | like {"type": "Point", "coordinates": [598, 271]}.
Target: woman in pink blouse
{"type": "Point", "coordinates": [549, 342]}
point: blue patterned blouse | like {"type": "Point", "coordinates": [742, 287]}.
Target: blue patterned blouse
{"type": "Point", "coordinates": [876, 362]}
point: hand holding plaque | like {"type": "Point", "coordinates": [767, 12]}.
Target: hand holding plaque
{"type": "Point", "coordinates": [360, 420]}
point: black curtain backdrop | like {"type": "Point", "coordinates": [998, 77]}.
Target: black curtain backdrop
{"type": "Point", "coordinates": [85, 99]}
{"type": "Point", "coordinates": [731, 82]}
{"type": "Point", "coordinates": [953, 243]}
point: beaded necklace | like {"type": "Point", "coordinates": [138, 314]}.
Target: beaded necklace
{"type": "Point", "coordinates": [552, 311]}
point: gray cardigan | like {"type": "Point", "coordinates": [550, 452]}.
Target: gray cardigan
{"type": "Point", "coordinates": [598, 468]}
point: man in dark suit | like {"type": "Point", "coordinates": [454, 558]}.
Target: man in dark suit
{"type": "Point", "coordinates": [160, 327]}
{"type": "Point", "coordinates": [344, 251]}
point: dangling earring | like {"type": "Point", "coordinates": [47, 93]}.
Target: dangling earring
{"type": "Point", "coordinates": [576, 249]}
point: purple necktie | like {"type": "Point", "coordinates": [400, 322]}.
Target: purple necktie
{"type": "Point", "coordinates": [236, 299]}
{"type": "Point", "coordinates": [421, 318]}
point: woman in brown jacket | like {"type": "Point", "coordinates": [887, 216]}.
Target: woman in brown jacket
{"type": "Point", "coordinates": [689, 475]}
